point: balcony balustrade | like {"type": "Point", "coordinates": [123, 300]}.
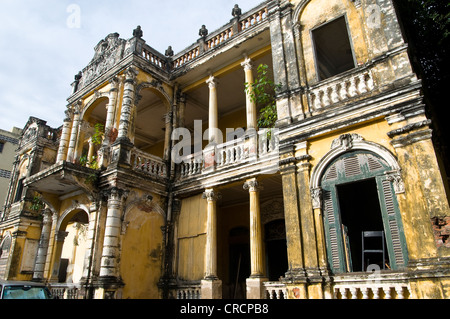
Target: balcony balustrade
{"type": "Point", "coordinates": [340, 89]}
{"type": "Point", "coordinates": [148, 164]}
{"type": "Point", "coordinates": [221, 36]}
{"type": "Point", "coordinates": [254, 149]}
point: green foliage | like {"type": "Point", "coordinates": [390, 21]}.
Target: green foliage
{"type": "Point", "coordinates": [97, 138]}
{"type": "Point", "coordinates": [36, 203]}
{"type": "Point", "coordinates": [262, 92]}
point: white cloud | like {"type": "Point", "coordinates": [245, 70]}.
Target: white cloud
{"type": "Point", "coordinates": [40, 53]}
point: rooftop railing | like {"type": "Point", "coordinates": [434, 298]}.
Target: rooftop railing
{"type": "Point", "coordinates": [238, 25]}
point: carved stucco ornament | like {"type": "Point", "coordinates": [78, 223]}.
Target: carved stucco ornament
{"type": "Point", "coordinates": [346, 141]}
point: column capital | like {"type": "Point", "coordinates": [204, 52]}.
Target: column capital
{"type": "Point", "coordinates": [316, 197]}
{"type": "Point", "coordinates": [252, 185]}
{"type": "Point", "coordinates": [212, 82]}
{"type": "Point", "coordinates": [247, 64]}
{"type": "Point", "coordinates": [211, 195]}
{"type": "Point", "coordinates": [131, 74]}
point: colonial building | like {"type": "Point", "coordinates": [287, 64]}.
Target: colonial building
{"type": "Point", "coordinates": [8, 146]}
{"type": "Point", "coordinates": [343, 198]}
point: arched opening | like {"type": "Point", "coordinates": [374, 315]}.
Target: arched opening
{"type": "Point", "coordinates": [73, 235]}
{"type": "Point", "coordinates": [150, 122]}
{"type": "Point", "coordinates": [92, 131]}
{"type": "Point", "coordinates": [22, 173]}
{"type": "Point", "coordinates": [5, 248]}
{"type": "Point", "coordinates": [358, 198]}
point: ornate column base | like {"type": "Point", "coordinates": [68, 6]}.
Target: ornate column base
{"type": "Point", "coordinates": [255, 287]}
{"type": "Point", "coordinates": [211, 289]}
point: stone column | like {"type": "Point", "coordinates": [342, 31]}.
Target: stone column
{"type": "Point", "coordinates": [296, 270]}
{"type": "Point", "coordinates": [285, 67]}
{"type": "Point", "coordinates": [168, 118]}
{"type": "Point", "coordinates": [109, 267]}
{"type": "Point", "coordinates": [92, 246]}
{"type": "Point", "coordinates": [211, 285]}
{"type": "Point", "coordinates": [213, 109]}
{"type": "Point", "coordinates": [41, 257]}
{"type": "Point", "coordinates": [65, 138]}
{"type": "Point", "coordinates": [73, 136]}
{"type": "Point", "coordinates": [51, 246]}
{"type": "Point", "coordinates": [255, 288]}
{"type": "Point", "coordinates": [181, 111]}
{"type": "Point", "coordinates": [308, 224]}
{"type": "Point", "coordinates": [90, 151]}
{"type": "Point", "coordinates": [251, 105]}
{"type": "Point", "coordinates": [110, 109]}
{"type": "Point", "coordinates": [128, 104]}
{"type": "Point", "coordinates": [60, 237]}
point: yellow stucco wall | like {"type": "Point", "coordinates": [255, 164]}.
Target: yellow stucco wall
{"type": "Point", "coordinates": [141, 257]}
{"type": "Point", "coordinates": [191, 229]}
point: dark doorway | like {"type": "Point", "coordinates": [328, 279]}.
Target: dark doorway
{"type": "Point", "coordinates": [360, 211]}
{"type": "Point", "coordinates": [276, 249]}
{"type": "Point", "coordinates": [333, 49]}
{"type": "Point", "coordinates": [239, 261]}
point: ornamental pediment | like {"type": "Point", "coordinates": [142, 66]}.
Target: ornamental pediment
{"type": "Point", "coordinates": [108, 52]}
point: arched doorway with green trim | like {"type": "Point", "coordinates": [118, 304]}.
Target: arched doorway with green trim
{"type": "Point", "coordinates": [356, 185]}
{"type": "Point", "coordinates": [358, 196]}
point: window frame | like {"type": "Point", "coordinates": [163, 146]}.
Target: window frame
{"type": "Point", "coordinates": [392, 222]}
{"type": "Point", "coordinates": [314, 48]}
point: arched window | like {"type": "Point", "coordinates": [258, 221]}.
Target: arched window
{"type": "Point", "coordinates": [5, 248]}
{"type": "Point", "coordinates": [358, 196]}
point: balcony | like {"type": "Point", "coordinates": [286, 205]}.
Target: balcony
{"type": "Point", "coordinates": [372, 286]}
{"type": "Point", "coordinates": [245, 23]}
{"type": "Point", "coordinates": [248, 152]}
{"type": "Point", "coordinates": [66, 291]}
{"type": "Point", "coordinates": [346, 87]}
{"type": "Point", "coordinates": [383, 285]}
{"type": "Point", "coordinates": [275, 290]}
{"type": "Point", "coordinates": [148, 164]}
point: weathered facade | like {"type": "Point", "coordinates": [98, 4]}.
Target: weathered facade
{"type": "Point", "coordinates": [8, 146]}
{"type": "Point", "coordinates": [290, 214]}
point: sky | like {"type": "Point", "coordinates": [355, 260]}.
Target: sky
{"type": "Point", "coordinates": [44, 43]}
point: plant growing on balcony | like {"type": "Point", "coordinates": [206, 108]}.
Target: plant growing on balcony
{"type": "Point", "coordinates": [36, 203]}
{"type": "Point", "coordinates": [262, 92]}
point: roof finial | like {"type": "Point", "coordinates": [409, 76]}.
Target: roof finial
{"type": "Point", "coordinates": [137, 33]}
{"type": "Point", "coordinates": [203, 32]}
{"type": "Point", "coordinates": [237, 12]}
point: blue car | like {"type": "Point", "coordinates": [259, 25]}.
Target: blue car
{"type": "Point", "coordinates": [24, 290]}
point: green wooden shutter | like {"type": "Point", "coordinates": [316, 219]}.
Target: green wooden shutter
{"type": "Point", "coordinates": [333, 231]}
{"type": "Point", "coordinates": [395, 238]}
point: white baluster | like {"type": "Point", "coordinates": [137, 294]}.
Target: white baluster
{"type": "Point", "coordinates": [334, 94]}
{"type": "Point", "coordinates": [352, 90]}
{"type": "Point", "coordinates": [326, 97]}
{"type": "Point", "coordinates": [343, 94]}
{"type": "Point", "coordinates": [365, 292]}
{"type": "Point", "coordinates": [362, 88]}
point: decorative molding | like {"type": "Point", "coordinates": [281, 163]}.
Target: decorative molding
{"type": "Point", "coordinates": [211, 195]}
{"type": "Point", "coordinates": [212, 82]}
{"type": "Point", "coordinates": [272, 210]}
{"type": "Point", "coordinates": [346, 141]}
{"type": "Point", "coordinates": [252, 185]}
{"type": "Point", "coordinates": [108, 53]}
{"type": "Point", "coordinates": [316, 197]}
{"type": "Point", "coordinates": [408, 128]}
{"type": "Point", "coordinates": [344, 144]}
{"type": "Point", "coordinates": [396, 178]}
{"type": "Point", "coordinates": [247, 64]}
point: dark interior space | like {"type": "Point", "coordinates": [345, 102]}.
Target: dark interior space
{"type": "Point", "coordinates": [276, 249]}
{"type": "Point", "coordinates": [360, 212]}
{"type": "Point", "coordinates": [334, 53]}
